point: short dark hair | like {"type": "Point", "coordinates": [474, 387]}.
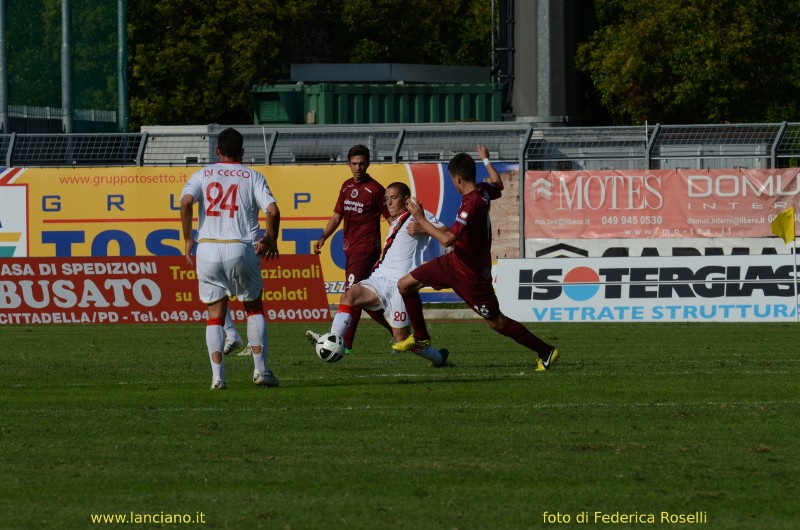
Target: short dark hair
{"type": "Point", "coordinates": [462, 165]}
{"type": "Point", "coordinates": [230, 142]}
{"type": "Point", "coordinates": [402, 187]}
{"type": "Point", "coordinates": [358, 150]}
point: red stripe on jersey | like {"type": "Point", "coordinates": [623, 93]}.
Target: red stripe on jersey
{"type": "Point", "coordinates": [401, 219]}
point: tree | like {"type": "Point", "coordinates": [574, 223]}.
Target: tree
{"type": "Point", "coordinates": [34, 44]}
{"type": "Point", "coordinates": [193, 61]}
{"type": "Point", "coordinates": [692, 62]}
{"type": "Point", "coordinates": [451, 32]}
{"type": "Point", "coordinates": [34, 32]}
{"type": "Point", "coordinates": [94, 63]}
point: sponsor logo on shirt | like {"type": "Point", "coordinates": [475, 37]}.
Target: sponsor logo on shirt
{"type": "Point", "coordinates": [353, 206]}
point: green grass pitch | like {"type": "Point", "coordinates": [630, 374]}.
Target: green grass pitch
{"type": "Point", "coordinates": [692, 420]}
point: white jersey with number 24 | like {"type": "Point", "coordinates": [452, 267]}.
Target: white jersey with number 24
{"type": "Point", "coordinates": [229, 196]}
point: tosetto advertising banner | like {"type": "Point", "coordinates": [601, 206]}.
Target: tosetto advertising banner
{"type": "Point", "coordinates": [661, 204]}
{"type": "Point", "coordinates": [134, 211]}
{"type": "Point", "coordinates": [156, 289]}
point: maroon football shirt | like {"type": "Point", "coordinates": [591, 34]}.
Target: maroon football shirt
{"type": "Point", "coordinates": [473, 230]}
{"type": "Point", "coordinates": [361, 205]}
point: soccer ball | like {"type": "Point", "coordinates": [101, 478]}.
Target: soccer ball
{"type": "Point", "coordinates": [330, 348]}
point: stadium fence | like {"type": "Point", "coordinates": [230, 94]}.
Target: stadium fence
{"type": "Point", "coordinates": [659, 146]}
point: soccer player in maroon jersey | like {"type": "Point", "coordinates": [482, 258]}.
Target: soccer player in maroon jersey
{"type": "Point", "coordinates": [360, 205]}
{"type": "Point", "coordinates": [468, 268]}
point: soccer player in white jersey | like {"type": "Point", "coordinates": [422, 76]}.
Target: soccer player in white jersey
{"type": "Point", "coordinates": [230, 196]}
{"type": "Point", "coordinates": [402, 252]}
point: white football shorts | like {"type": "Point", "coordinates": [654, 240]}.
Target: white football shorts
{"type": "Point", "coordinates": [394, 309]}
{"type": "Point", "coordinates": [225, 269]}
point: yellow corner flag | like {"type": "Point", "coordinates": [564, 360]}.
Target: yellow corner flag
{"type": "Point", "coordinates": [783, 225]}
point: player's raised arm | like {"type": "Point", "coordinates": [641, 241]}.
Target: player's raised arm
{"type": "Point", "coordinates": [494, 176]}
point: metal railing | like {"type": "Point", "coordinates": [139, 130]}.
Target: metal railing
{"type": "Point", "coordinates": [757, 146]}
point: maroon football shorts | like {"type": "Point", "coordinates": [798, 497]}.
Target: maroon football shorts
{"type": "Point", "coordinates": [475, 289]}
{"type": "Point", "coordinates": [358, 266]}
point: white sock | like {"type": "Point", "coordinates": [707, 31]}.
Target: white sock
{"type": "Point", "coordinates": [230, 329]}
{"type": "Point", "coordinates": [215, 339]}
{"type": "Point", "coordinates": [430, 353]}
{"type": "Point", "coordinates": [257, 336]}
{"type": "Point", "coordinates": [341, 322]}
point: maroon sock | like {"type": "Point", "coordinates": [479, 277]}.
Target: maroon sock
{"type": "Point", "coordinates": [379, 317]}
{"type": "Point", "coordinates": [414, 309]}
{"type": "Point", "coordinates": [350, 335]}
{"type": "Point", "coordinates": [514, 330]}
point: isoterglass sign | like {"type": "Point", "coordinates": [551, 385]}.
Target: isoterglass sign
{"type": "Point", "coordinates": [660, 289]}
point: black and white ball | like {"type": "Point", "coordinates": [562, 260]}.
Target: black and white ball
{"type": "Point", "coordinates": [330, 348]}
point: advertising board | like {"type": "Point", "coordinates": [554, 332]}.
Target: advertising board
{"type": "Point", "coordinates": [134, 212]}
{"type": "Point", "coordinates": [656, 204]}
{"type": "Point", "coordinates": [155, 289]}
{"type": "Point", "coordinates": [657, 289]}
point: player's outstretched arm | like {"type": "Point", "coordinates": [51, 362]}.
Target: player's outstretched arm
{"type": "Point", "coordinates": [494, 176]}
{"type": "Point", "coordinates": [415, 230]}
{"type": "Point", "coordinates": [444, 237]}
